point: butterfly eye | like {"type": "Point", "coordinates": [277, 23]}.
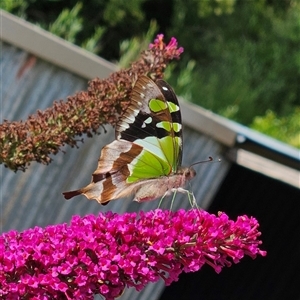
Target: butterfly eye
{"type": "Point", "coordinates": [194, 173]}
{"type": "Point", "coordinates": [190, 173]}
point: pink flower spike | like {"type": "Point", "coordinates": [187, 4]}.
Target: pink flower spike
{"type": "Point", "coordinates": [171, 50]}
{"type": "Point", "coordinates": [107, 253]}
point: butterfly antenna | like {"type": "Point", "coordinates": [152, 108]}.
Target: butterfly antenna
{"type": "Point", "coordinates": [210, 159]}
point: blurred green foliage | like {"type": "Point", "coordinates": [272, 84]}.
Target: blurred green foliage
{"type": "Point", "coordinates": [286, 129]}
{"type": "Point", "coordinates": [241, 58]}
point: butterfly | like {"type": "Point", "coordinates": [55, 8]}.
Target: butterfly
{"type": "Point", "coordinates": [145, 157]}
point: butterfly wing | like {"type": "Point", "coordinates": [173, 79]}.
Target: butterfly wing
{"type": "Point", "coordinates": [123, 168]}
{"type": "Point", "coordinates": [153, 121]}
{"type": "Point", "coordinates": [174, 109]}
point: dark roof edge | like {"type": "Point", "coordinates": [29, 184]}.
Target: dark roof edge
{"type": "Point", "coordinates": [49, 47]}
{"type": "Point", "coordinates": [232, 134]}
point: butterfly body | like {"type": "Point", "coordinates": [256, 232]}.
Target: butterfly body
{"type": "Point", "coordinates": [145, 158]}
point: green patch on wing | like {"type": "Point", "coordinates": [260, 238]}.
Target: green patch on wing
{"type": "Point", "coordinates": [173, 107]}
{"type": "Point", "coordinates": [157, 105]}
{"type": "Point", "coordinates": [177, 127]}
{"type": "Point", "coordinates": [159, 158]}
{"type": "Point", "coordinates": [165, 125]}
{"type": "Point", "coordinates": [147, 165]}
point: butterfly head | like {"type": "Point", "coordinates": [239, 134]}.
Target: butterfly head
{"type": "Point", "coordinates": [188, 173]}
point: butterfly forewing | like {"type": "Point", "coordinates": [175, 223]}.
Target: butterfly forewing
{"type": "Point", "coordinates": [153, 121]}
{"type": "Point", "coordinates": [174, 109]}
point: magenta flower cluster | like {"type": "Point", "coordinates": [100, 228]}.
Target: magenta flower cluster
{"type": "Point", "coordinates": [105, 254]}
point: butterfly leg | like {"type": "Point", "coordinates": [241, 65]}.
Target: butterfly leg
{"type": "Point", "coordinates": [191, 196]}
{"type": "Point", "coordinates": [161, 200]}
{"type": "Point", "coordinates": [173, 199]}
{"type": "Point", "coordinates": [192, 200]}
{"type": "Point", "coordinates": [167, 193]}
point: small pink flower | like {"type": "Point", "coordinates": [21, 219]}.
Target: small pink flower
{"type": "Point", "coordinates": [171, 49]}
